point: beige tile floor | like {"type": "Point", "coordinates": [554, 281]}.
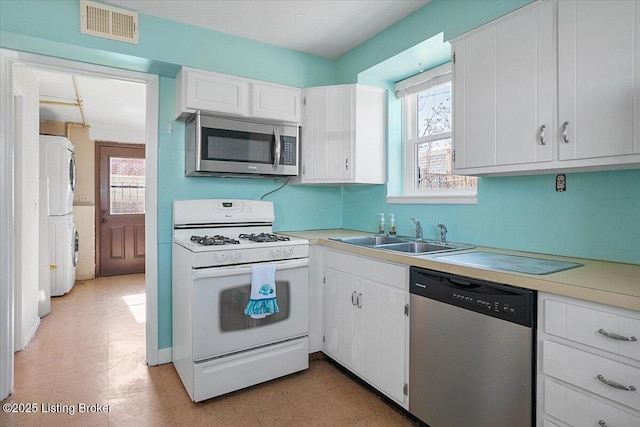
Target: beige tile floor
{"type": "Point", "coordinates": [91, 350]}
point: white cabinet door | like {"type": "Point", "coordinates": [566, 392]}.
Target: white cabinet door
{"type": "Point", "coordinates": [275, 102]}
{"type": "Point", "coordinates": [208, 91]}
{"type": "Point", "coordinates": [343, 135]}
{"type": "Point", "coordinates": [326, 134]}
{"type": "Point", "coordinates": [365, 323]}
{"type": "Point", "coordinates": [504, 91]}
{"type": "Point", "coordinates": [350, 344]}
{"type": "Point", "coordinates": [599, 83]}
{"type": "Point", "coordinates": [384, 341]}
{"type": "Point", "coordinates": [342, 319]}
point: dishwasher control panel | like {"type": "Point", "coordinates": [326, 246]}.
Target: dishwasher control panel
{"type": "Point", "coordinates": [505, 302]}
{"type": "Point", "coordinates": [490, 305]}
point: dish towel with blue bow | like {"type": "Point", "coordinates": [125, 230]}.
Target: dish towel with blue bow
{"type": "Point", "coordinates": [263, 292]}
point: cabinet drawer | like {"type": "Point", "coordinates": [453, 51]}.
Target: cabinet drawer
{"type": "Point", "coordinates": [577, 409]}
{"type": "Point", "coordinates": [596, 325]}
{"type": "Point", "coordinates": [378, 271]}
{"type": "Point", "coordinates": [583, 369]}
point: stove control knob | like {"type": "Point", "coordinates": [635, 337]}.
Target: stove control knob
{"type": "Point", "coordinates": [235, 256]}
{"type": "Point", "coordinates": [276, 252]}
{"type": "Point", "coordinates": [220, 257]}
{"type": "Point", "coordinates": [288, 251]}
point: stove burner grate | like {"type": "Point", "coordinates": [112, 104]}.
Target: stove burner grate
{"type": "Point", "coordinates": [214, 240]}
{"type": "Point", "coordinates": [264, 237]}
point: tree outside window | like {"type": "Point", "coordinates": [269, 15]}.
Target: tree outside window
{"type": "Point", "coordinates": [428, 142]}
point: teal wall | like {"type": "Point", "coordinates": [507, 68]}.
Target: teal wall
{"type": "Point", "coordinates": [598, 217]}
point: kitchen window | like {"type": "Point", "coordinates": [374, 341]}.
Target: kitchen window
{"type": "Point", "coordinates": [428, 149]}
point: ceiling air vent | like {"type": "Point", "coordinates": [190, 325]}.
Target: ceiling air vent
{"type": "Point", "coordinates": [108, 22]}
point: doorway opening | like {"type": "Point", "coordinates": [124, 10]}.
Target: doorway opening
{"type": "Point", "coordinates": [9, 288]}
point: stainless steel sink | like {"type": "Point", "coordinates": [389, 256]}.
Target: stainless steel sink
{"type": "Point", "coordinates": [401, 244]}
{"type": "Point", "coordinates": [371, 240]}
{"type": "Point", "coordinates": [417, 247]}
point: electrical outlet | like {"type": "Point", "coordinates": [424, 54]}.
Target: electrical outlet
{"type": "Point", "coordinates": [561, 182]}
{"type": "Point", "coordinates": [84, 198]}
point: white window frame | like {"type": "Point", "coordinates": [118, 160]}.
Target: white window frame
{"type": "Point", "coordinates": [408, 89]}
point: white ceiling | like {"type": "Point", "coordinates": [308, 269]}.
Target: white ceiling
{"type": "Point", "coordinates": [327, 28]}
{"type": "Point", "coordinates": [114, 110]}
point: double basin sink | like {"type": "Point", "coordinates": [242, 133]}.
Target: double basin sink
{"type": "Point", "coordinates": [405, 245]}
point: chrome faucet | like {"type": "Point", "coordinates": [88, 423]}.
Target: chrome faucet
{"type": "Point", "coordinates": [418, 228]}
{"type": "Point", "coordinates": [443, 233]}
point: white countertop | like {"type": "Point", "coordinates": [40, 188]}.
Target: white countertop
{"type": "Point", "coordinates": [605, 282]}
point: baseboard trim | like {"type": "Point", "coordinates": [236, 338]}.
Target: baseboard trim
{"type": "Point", "coordinates": [165, 356]}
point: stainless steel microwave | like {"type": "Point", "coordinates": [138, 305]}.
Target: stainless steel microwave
{"type": "Point", "coordinates": [220, 146]}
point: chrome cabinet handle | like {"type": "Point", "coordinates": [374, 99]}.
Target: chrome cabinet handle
{"type": "Point", "coordinates": [353, 298]}
{"type": "Point", "coordinates": [616, 336]}
{"type": "Point", "coordinates": [541, 135]}
{"type": "Point", "coordinates": [615, 384]}
{"type": "Point", "coordinates": [346, 163]}
{"type": "Point", "coordinates": [563, 129]}
{"type": "Point", "coordinates": [359, 301]}
{"type": "Point", "coordinates": [601, 423]}
{"type": "Point", "coordinates": [276, 150]}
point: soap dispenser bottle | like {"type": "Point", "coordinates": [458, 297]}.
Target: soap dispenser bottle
{"type": "Point", "coordinates": [392, 226]}
{"type": "Point", "coordinates": [381, 225]}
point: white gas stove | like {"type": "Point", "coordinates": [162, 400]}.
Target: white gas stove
{"type": "Point", "coordinates": [227, 232]}
{"type": "Point", "coordinates": [217, 247]}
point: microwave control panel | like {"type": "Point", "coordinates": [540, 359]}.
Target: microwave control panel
{"type": "Point", "coordinates": [288, 154]}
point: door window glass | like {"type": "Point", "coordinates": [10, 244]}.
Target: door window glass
{"type": "Point", "coordinates": [126, 186]}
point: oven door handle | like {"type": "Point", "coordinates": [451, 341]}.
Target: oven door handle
{"type": "Point", "coordinates": [235, 270]}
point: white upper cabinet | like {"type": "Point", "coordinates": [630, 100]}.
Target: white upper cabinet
{"type": "Point", "coordinates": [234, 96]}
{"type": "Point", "coordinates": [599, 78]}
{"type": "Point", "coordinates": [551, 86]}
{"type": "Point", "coordinates": [504, 91]}
{"type": "Point", "coordinates": [343, 135]}
{"type": "Point", "coordinates": [275, 102]}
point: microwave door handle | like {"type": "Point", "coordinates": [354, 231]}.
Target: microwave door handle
{"type": "Point", "coordinates": [276, 150]}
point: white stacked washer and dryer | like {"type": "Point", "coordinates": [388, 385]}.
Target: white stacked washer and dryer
{"type": "Point", "coordinates": [58, 168]}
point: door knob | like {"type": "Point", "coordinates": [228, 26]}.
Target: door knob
{"type": "Point", "coordinates": [104, 220]}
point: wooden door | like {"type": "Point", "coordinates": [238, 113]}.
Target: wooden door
{"type": "Point", "coordinates": [120, 232]}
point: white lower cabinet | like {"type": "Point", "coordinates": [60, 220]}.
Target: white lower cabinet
{"type": "Point", "coordinates": [366, 320]}
{"type": "Point", "coordinates": [588, 364]}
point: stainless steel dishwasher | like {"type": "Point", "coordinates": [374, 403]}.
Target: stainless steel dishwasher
{"type": "Point", "coordinates": [472, 350]}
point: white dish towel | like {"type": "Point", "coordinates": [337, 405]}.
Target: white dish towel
{"type": "Point", "coordinates": [263, 292]}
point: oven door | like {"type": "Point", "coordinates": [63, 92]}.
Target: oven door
{"type": "Point", "coordinates": [220, 295]}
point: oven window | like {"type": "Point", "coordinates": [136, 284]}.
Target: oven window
{"type": "Point", "coordinates": [237, 146]}
{"type": "Point", "coordinates": [233, 302]}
